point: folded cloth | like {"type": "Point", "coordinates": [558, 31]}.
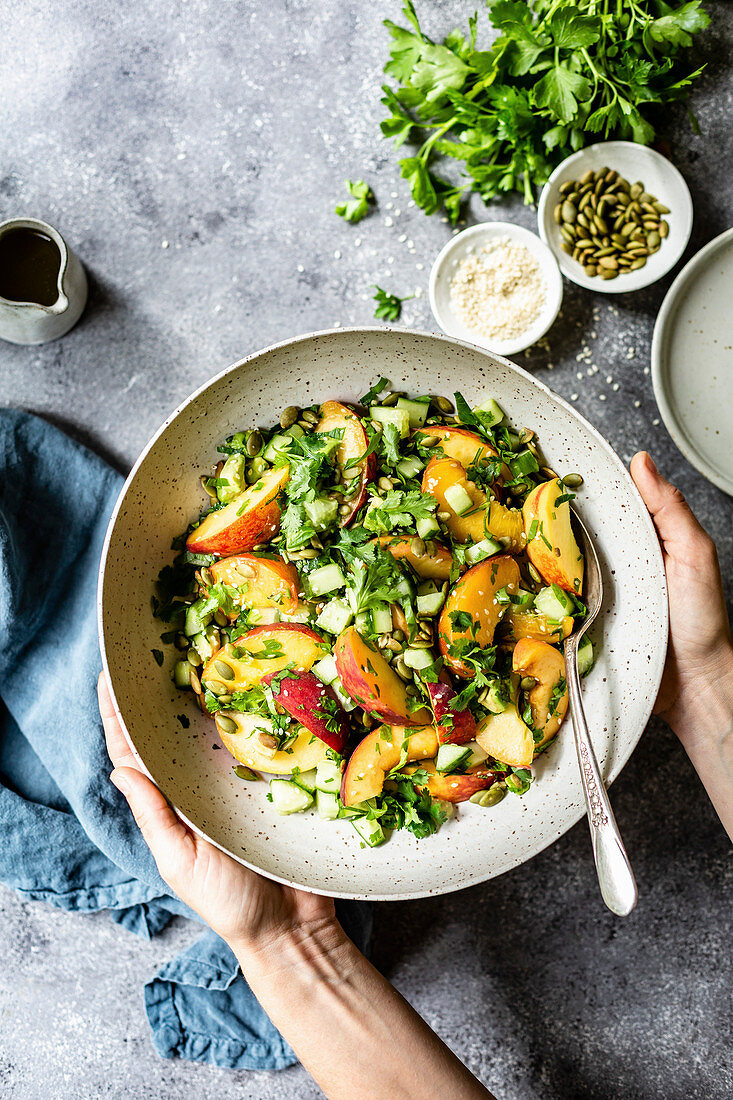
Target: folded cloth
{"type": "Point", "coordinates": [66, 835]}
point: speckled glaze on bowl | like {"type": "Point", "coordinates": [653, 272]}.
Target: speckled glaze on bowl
{"type": "Point", "coordinates": [162, 495]}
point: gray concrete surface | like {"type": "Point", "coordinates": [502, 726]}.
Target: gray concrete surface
{"type": "Point", "coordinates": [192, 154]}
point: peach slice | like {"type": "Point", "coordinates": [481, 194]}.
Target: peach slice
{"type": "Point", "coordinates": [312, 704]}
{"type": "Point", "coordinates": [531, 624]}
{"type": "Point", "coordinates": [548, 699]}
{"type": "Point", "coordinates": [304, 753]}
{"type": "Point", "coordinates": [552, 548]}
{"type": "Point", "coordinates": [260, 582]}
{"type": "Point", "coordinates": [454, 727]}
{"type": "Point", "coordinates": [459, 444]}
{"type": "Point", "coordinates": [252, 517]}
{"type": "Point", "coordinates": [458, 788]}
{"type": "Point", "coordinates": [506, 737]}
{"type": "Point", "coordinates": [434, 566]}
{"type": "Point", "coordinates": [471, 611]}
{"type": "Point", "coordinates": [282, 645]}
{"type": "Point", "coordinates": [372, 682]}
{"type": "Point", "coordinates": [378, 753]}
{"type": "Point", "coordinates": [354, 443]}
{"type": "Point", "coordinates": [480, 520]}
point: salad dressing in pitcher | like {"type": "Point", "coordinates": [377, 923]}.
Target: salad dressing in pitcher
{"type": "Point", "coordinates": [30, 263]}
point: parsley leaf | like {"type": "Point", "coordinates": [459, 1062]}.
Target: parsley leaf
{"type": "Point", "coordinates": [389, 306]}
{"type": "Point", "coordinates": [357, 207]}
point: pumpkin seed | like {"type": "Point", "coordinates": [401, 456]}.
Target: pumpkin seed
{"type": "Point", "coordinates": [398, 635]}
{"type": "Point", "coordinates": [243, 772]}
{"type": "Point", "coordinates": [443, 403]}
{"type": "Point", "coordinates": [194, 658]}
{"type": "Point", "coordinates": [636, 264]}
{"type": "Point", "coordinates": [490, 797]}
{"type": "Point", "coordinates": [590, 270]}
{"type": "Point", "coordinates": [288, 416]}
{"type": "Point", "coordinates": [254, 443]}
{"type": "Point", "coordinates": [548, 473]}
{"type": "Point", "coordinates": [390, 400]}
{"type": "Point", "coordinates": [220, 618]}
{"type": "Point", "coordinates": [429, 440]}
{"type": "Point", "coordinates": [444, 516]}
{"type": "Point", "coordinates": [204, 479]}
{"type": "Point", "coordinates": [588, 177]}
{"type": "Point", "coordinates": [636, 189]}
{"type": "Point", "coordinates": [527, 683]}
{"type": "Point", "coordinates": [557, 213]}
{"type": "Point", "coordinates": [608, 263]}
{"type": "Point", "coordinates": [181, 641]}
{"type": "Point", "coordinates": [310, 417]}
{"type": "Point", "coordinates": [572, 481]}
{"type": "Point", "coordinates": [225, 671]}
{"type": "Point", "coordinates": [267, 740]}
{"type": "Point", "coordinates": [344, 509]}
{"type": "Point", "coordinates": [216, 687]}
{"type": "Point", "coordinates": [226, 724]}
{"type": "Point", "coordinates": [569, 212]}
{"type": "Point", "coordinates": [663, 229]}
{"type": "Point", "coordinates": [660, 208]}
{"type": "Point", "coordinates": [566, 247]}
{"type": "Point", "coordinates": [653, 239]}
{"type": "Point", "coordinates": [417, 546]}
{"type": "Point", "coordinates": [421, 643]}
{"type": "Point", "coordinates": [225, 700]}
{"type": "Point", "coordinates": [194, 681]}
{"type": "Point", "coordinates": [567, 186]}
{"type": "Point", "coordinates": [402, 670]}
{"type": "Point", "coordinates": [534, 573]}
{"type": "Point", "coordinates": [386, 483]}
{"type": "Point", "coordinates": [606, 273]}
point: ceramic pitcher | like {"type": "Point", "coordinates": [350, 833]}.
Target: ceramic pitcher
{"type": "Point", "coordinates": [29, 322]}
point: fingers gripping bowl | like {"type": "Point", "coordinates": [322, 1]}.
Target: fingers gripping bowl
{"type": "Point", "coordinates": [175, 743]}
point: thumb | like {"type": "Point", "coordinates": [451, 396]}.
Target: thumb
{"type": "Point", "coordinates": [163, 831]}
{"type": "Point", "coordinates": [671, 513]}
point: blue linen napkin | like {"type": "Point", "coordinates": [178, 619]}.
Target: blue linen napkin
{"type": "Point", "coordinates": [66, 834]}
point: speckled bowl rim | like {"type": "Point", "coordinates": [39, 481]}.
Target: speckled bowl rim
{"type": "Point", "coordinates": [673, 418]}
{"type": "Point", "coordinates": [659, 656]}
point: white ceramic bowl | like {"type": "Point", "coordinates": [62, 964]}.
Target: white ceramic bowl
{"type": "Point", "coordinates": [470, 241]}
{"type": "Point", "coordinates": [634, 162]}
{"type": "Point", "coordinates": [162, 494]}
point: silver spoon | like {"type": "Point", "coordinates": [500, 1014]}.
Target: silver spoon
{"type": "Point", "coordinates": [615, 876]}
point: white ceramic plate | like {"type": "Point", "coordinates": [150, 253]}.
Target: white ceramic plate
{"type": "Point", "coordinates": [633, 162]}
{"type": "Point", "coordinates": [162, 495]}
{"type": "Point", "coordinates": [692, 361]}
{"type": "Point", "coordinates": [470, 241]}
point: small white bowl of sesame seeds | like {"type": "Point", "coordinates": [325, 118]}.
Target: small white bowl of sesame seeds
{"type": "Point", "coordinates": [496, 285]}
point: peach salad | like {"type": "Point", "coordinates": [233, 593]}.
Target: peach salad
{"type": "Point", "coordinates": [372, 604]}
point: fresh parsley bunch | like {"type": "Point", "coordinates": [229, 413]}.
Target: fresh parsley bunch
{"type": "Point", "coordinates": [558, 76]}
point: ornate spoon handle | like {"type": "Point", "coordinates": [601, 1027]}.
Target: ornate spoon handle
{"type": "Point", "coordinates": [615, 876]}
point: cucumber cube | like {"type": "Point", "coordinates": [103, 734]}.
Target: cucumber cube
{"type": "Point", "coordinates": [202, 645]}
{"type": "Point", "coordinates": [458, 499]}
{"type": "Point", "coordinates": [327, 805]}
{"type": "Point", "coordinates": [279, 444]}
{"type": "Point", "coordinates": [327, 578]}
{"type": "Point", "coordinates": [418, 658]}
{"type": "Point", "coordinates": [303, 614]}
{"type": "Point", "coordinates": [325, 669]}
{"type": "Point", "coordinates": [430, 604]}
{"type": "Point", "coordinates": [196, 619]}
{"type": "Point", "coordinates": [493, 410]}
{"type": "Point", "coordinates": [382, 618]}
{"type": "Point", "coordinates": [497, 699]}
{"type": "Point", "coordinates": [322, 512]}
{"type": "Point", "coordinates": [288, 797]}
{"type": "Point", "coordinates": [477, 756]}
{"type": "Point", "coordinates": [427, 526]}
{"type": "Point", "coordinates": [586, 657]}
{"type": "Point", "coordinates": [345, 700]}
{"type": "Point", "coordinates": [369, 830]}
{"type": "Point", "coordinates": [451, 757]}
{"type": "Point", "coordinates": [232, 476]}
{"type": "Point", "coordinates": [335, 616]}
{"type": "Point", "coordinates": [399, 417]}
{"type": "Point", "coordinates": [328, 776]}
{"type": "Point", "coordinates": [482, 550]}
{"type": "Point", "coordinates": [416, 410]}
{"type": "Point", "coordinates": [553, 602]}
{"type": "Point", "coordinates": [410, 466]}
{"type": "Point", "coordinates": [306, 780]}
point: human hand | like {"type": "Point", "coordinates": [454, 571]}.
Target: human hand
{"type": "Point", "coordinates": [252, 913]}
{"type": "Point", "coordinates": [700, 654]}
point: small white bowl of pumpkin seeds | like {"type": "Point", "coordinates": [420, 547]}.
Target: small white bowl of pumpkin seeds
{"type": "Point", "coordinates": [616, 215]}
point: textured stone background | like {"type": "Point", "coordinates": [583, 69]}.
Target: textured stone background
{"type": "Point", "coordinates": [192, 154]}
